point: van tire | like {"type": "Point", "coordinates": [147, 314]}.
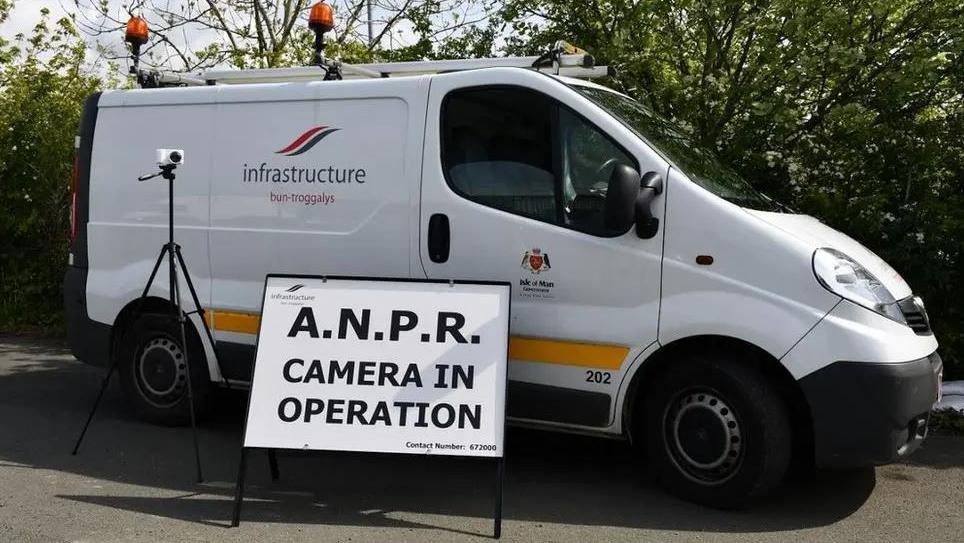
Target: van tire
{"type": "Point", "coordinates": [716, 432]}
{"type": "Point", "coordinates": [154, 381]}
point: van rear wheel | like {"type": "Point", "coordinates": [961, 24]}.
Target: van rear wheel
{"type": "Point", "coordinates": [716, 432]}
{"type": "Point", "coordinates": [154, 367]}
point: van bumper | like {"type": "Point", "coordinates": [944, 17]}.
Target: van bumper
{"type": "Point", "coordinates": [89, 340]}
{"type": "Point", "coordinates": [870, 413]}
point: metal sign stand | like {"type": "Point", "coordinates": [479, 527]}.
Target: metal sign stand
{"type": "Point", "coordinates": [172, 251]}
{"type": "Point", "coordinates": [499, 480]}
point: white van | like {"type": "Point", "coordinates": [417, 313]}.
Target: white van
{"type": "Point", "coordinates": [656, 295]}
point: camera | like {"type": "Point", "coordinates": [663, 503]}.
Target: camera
{"type": "Point", "coordinates": [170, 157]}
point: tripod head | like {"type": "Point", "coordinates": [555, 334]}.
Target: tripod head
{"type": "Point", "coordinates": [166, 172]}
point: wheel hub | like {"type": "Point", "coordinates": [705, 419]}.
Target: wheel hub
{"type": "Point", "coordinates": [162, 371]}
{"type": "Point", "coordinates": [703, 436]}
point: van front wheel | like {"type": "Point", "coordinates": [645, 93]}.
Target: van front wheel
{"type": "Point", "coordinates": [154, 368]}
{"type": "Point", "coordinates": [716, 432]}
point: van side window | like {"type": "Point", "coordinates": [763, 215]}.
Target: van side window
{"type": "Point", "coordinates": [589, 158]}
{"type": "Point", "coordinates": [520, 151]}
{"type": "Point", "coordinates": [498, 149]}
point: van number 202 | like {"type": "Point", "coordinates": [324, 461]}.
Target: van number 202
{"type": "Point", "coordinates": [598, 377]}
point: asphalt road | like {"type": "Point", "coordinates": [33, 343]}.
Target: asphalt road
{"type": "Point", "coordinates": [135, 482]}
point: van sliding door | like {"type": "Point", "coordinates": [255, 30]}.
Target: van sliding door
{"type": "Point", "coordinates": [312, 179]}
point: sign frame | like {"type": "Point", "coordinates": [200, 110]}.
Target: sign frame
{"type": "Point", "coordinates": [271, 452]}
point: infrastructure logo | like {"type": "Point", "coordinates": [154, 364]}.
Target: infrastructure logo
{"type": "Point", "coordinates": [291, 296]}
{"type": "Point", "coordinates": [310, 173]}
{"type": "Point", "coordinates": [306, 141]}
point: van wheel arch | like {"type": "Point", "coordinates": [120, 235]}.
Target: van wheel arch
{"type": "Point", "coordinates": [129, 313]}
{"type": "Point", "coordinates": [754, 357]}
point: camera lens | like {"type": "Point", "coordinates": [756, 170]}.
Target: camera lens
{"type": "Point", "coordinates": [175, 157]}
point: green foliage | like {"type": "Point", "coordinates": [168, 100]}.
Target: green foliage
{"type": "Point", "coordinates": [43, 81]}
{"type": "Point", "coordinates": [848, 110]}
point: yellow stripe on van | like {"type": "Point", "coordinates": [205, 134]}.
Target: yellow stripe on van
{"type": "Point", "coordinates": [229, 321]}
{"type": "Point", "coordinates": [569, 353]}
{"type": "Point", "coordinates": [548, 351]}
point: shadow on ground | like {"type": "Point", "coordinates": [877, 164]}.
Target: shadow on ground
{"type": "Point", "coordinates": [550, 478]}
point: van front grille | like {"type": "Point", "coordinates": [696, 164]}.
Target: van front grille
{"type": "Point", "coordinates": [915, 315]}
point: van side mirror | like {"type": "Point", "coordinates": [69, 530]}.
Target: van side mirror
{"type": "Point", "coordinates": [621, 195]}
{"type": "Point", "coordinates": [651, 186]}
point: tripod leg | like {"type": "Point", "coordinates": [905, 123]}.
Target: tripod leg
{"type": "Point", "coordinates": [150, 280]}
{"type": "Point", "coordinates": [176, 299]}
{"type": "Point", "coordinates": [100, 395]}
{"type": "Point", "coordinates": [157, 266]}
{"type": "Point", "coordinates": [197, 305]}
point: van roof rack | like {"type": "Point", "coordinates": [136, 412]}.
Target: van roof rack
{"type": "Point", "coordinates": [562, 59]}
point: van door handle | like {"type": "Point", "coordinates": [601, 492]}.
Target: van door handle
{"type": "Point", "coordinates": [438, 238]}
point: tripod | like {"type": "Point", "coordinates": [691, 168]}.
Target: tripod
{"type": "Point", "coordinates": [172, 251]}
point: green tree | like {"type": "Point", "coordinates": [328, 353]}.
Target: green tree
{"type": "Point", "coordinates": [850, 110]}
{"type": "Point", "coordinates": [43, 81]}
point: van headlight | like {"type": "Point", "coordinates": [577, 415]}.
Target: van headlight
{"type": "Point", "coordinates": [844, 277]}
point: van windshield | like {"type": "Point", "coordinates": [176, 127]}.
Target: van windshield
{"type": "Point", "coordinates": [700, 164]}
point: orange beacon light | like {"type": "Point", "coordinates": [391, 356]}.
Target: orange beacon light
{"type": "Point", "coordinates": [136, 32]}
{"type": "Point", "coordinates": [321, 18]}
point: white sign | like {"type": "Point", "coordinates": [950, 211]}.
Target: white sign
{"type": "Point", "coordinates": [380, 366]}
